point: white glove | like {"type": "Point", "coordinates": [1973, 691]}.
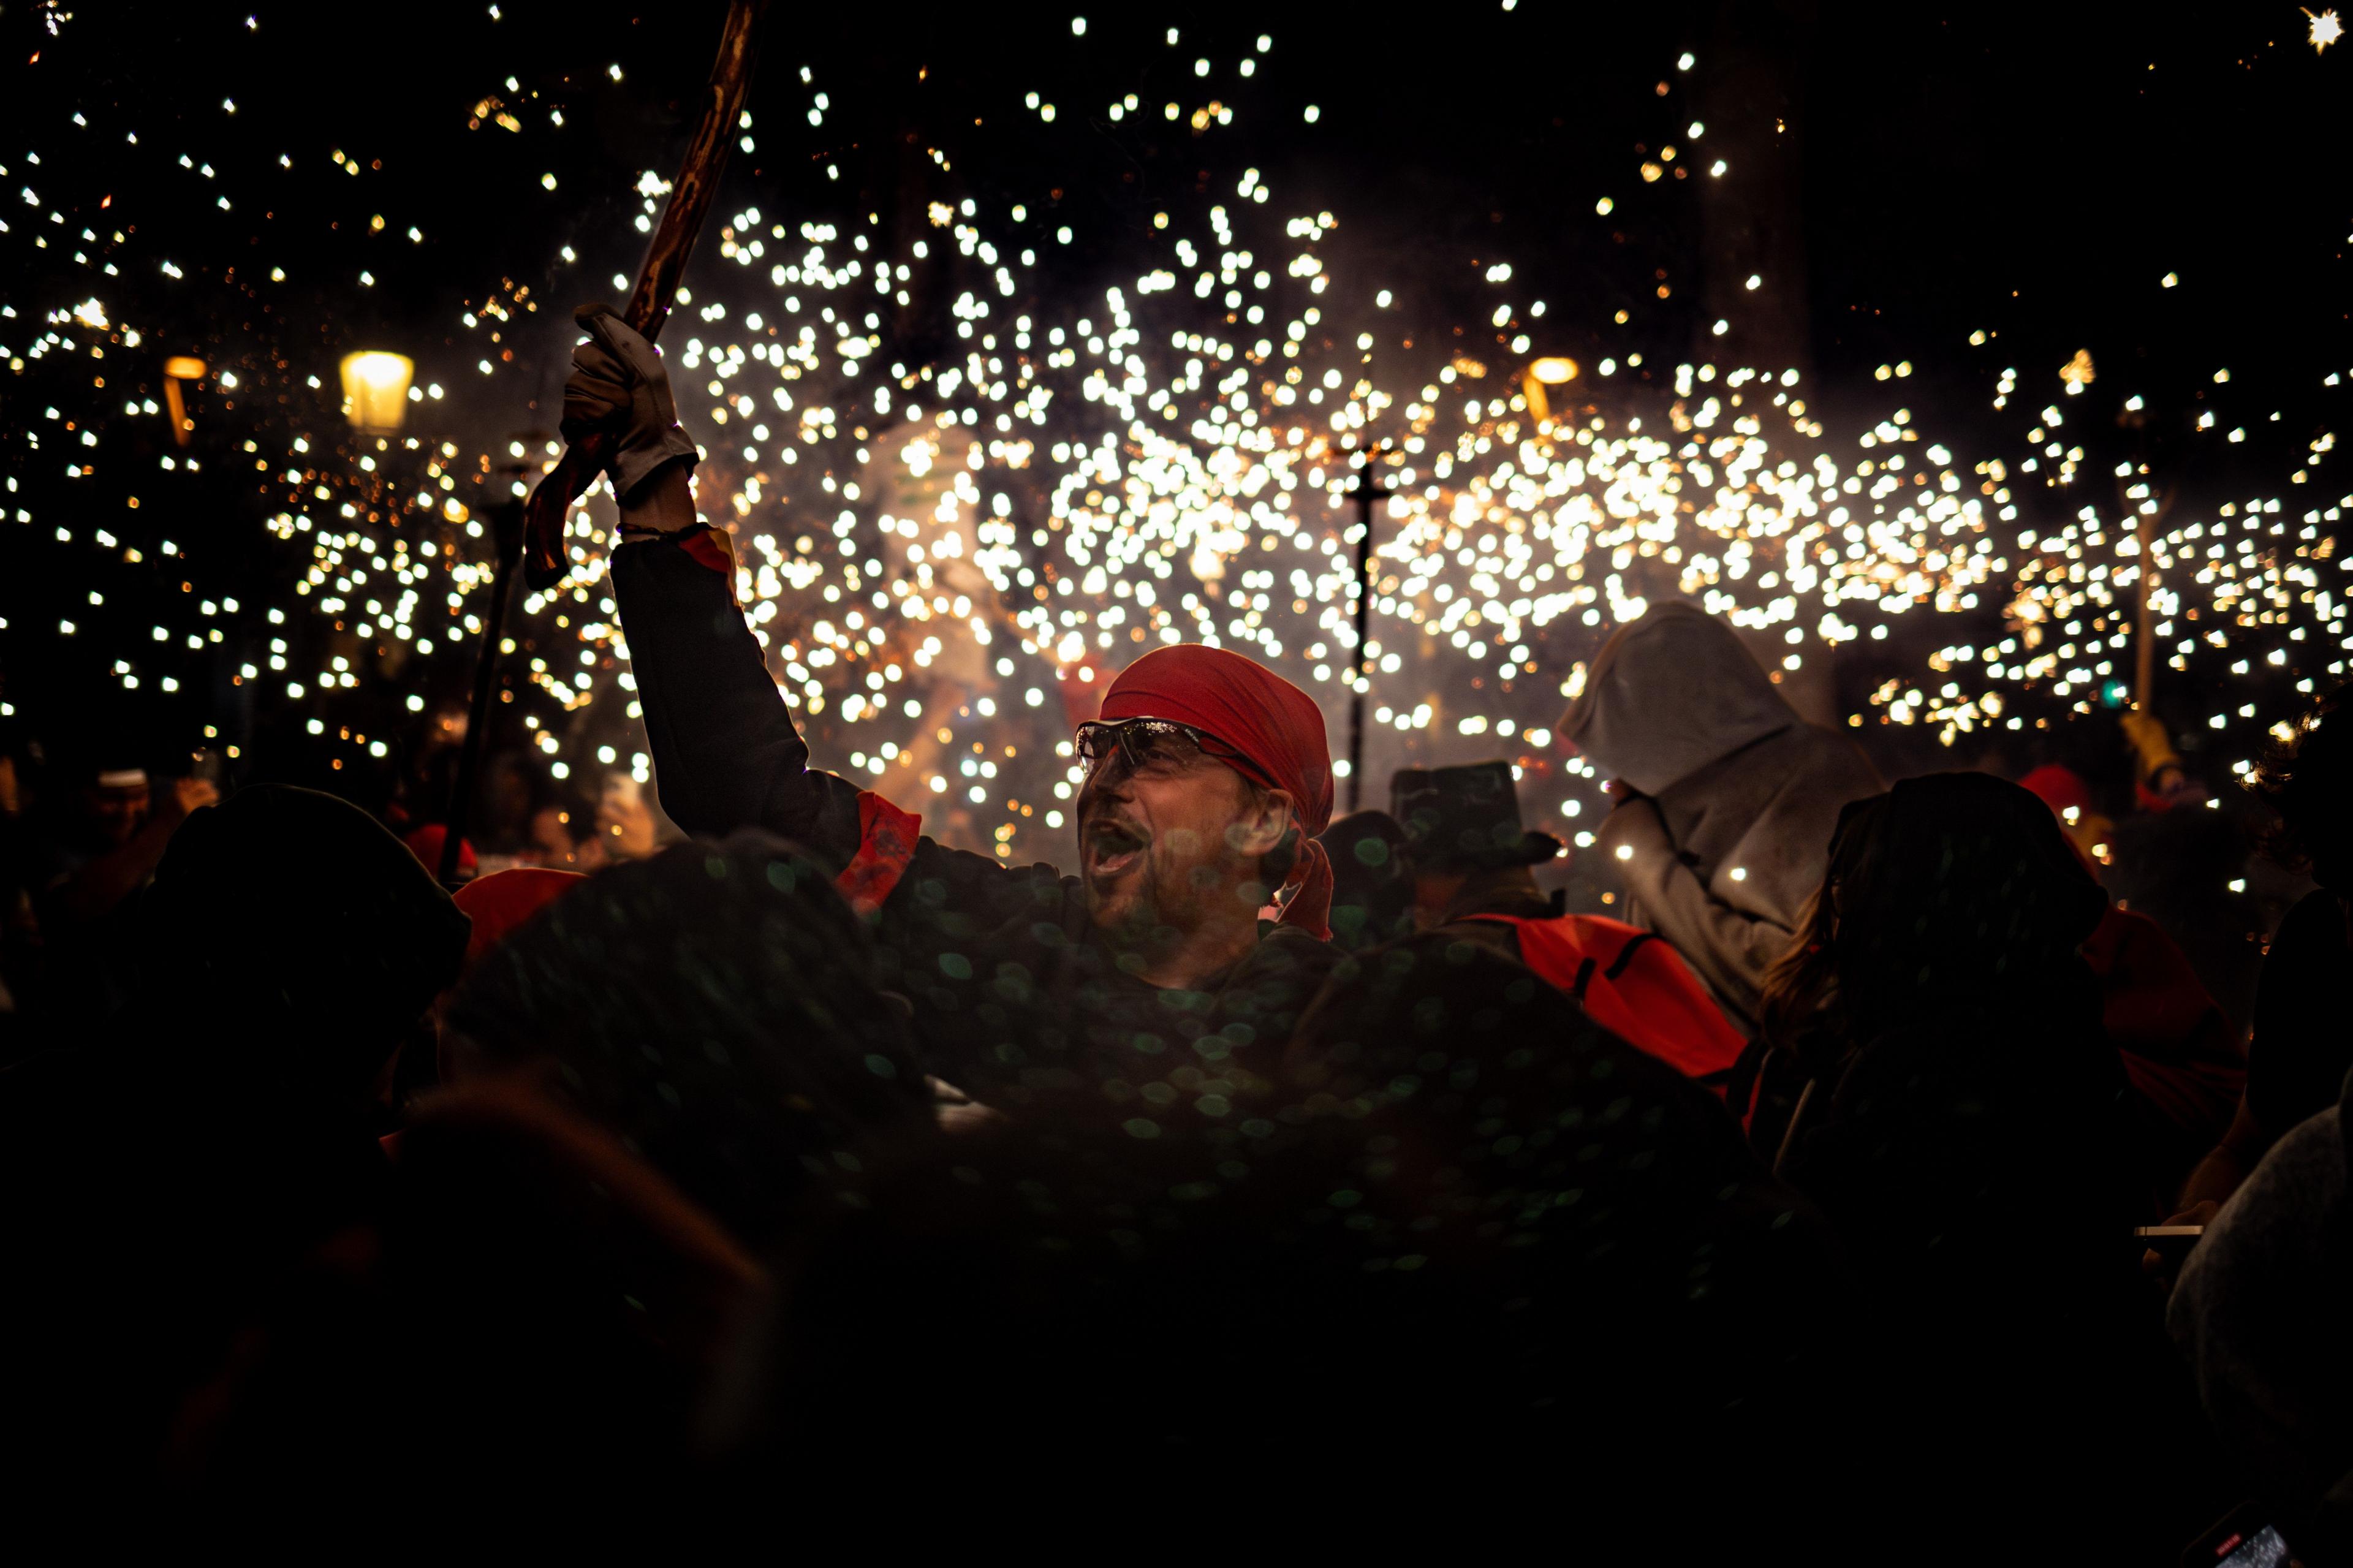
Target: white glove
{"type": "Point", "coordinates": [619, 384]}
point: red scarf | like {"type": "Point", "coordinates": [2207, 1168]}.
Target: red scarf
{"type": "Point", "coordinates": [1277, 728]}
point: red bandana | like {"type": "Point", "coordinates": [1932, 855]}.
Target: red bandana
{"type": "Point", "coordinates": [1277, 728]}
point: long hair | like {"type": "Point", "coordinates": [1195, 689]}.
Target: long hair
{"type": "Point", "coordinates": [1802, 987]}
{"type": "Point", "coordinates": [1798, 1010]}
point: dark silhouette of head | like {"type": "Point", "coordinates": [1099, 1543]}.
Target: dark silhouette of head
{"type": "Point", "coordinates": [714, 1006]}
{"type": "Point", "coordinates": [1956, 894]}
{"type": "Point", "coordinates": [298, 934]}
{"type": "Point", "coordinates": [1372, 880]}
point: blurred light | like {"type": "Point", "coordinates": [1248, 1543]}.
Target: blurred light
{"type": "Point", "coordinates": [375, 389]}
{"type": "Point", "coordinates": [178, 369]}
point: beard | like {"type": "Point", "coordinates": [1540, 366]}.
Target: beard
{"type": "Point", "coordinates": [1169, 889]}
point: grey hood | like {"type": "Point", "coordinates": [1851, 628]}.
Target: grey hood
{"type": "Point", "coordinates": [1668, 695]}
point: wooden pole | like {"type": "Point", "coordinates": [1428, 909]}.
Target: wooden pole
{"type": "Point", "coordinates": [506, 533]}
{"type": "Point", "coordinates": [698, 182]}
{"type": "Point", "coordinates": [1366, 491]}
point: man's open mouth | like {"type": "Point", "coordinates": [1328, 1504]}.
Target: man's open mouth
{"type": "Point", "coordinates": [1113, 849]}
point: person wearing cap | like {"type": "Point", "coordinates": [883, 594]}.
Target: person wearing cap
{"type": "Point", "coordinates": [84, 886]}
{"type": "Point", "coordinates": [1133, 983]}
{"type": "Point", "coordinates": [1474, 866]}
{"type": "Point", "coordinates": [1372, 880]}
{"type": "Point", "coordinates": [1726, 798]}
{"type": "Point", "coordinates": [126, 822]}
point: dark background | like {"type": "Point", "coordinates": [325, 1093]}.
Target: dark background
{"type": "Point", "coordinates": [2033, 170]}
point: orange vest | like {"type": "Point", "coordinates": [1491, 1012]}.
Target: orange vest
{"type": "Point", "coordinates": [1632, 983]}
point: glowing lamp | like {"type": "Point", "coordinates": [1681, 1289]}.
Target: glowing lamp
{"type": "Point", "coordinates": [375, 389]}
{"type": "Point", "coordinates": [1550, 370]}
{"type": "Point", "coordinates": [178, 369]}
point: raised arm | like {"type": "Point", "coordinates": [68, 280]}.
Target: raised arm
{"type": "Point", "coordinates": [726, 754]}
{"type": "Point", "coordinates": [1726, 947]}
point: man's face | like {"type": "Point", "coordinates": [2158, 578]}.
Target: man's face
{"type": "Point", "coordinates": [118, 812]}
{"type": "Point", "coordinates": [1157, 842]}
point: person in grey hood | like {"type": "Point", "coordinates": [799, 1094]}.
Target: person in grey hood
{"type": "Point", "coordinates": [1727, 799]}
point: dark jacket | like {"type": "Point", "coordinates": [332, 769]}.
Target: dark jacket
{"type": "Point", "coordinates": [2301, 1051]}
{"type": "Point", "coordinates": [165, 1176]}
{"type": "Point", "coordinates": [2260, 1314]}
{"type": "Point", "coordinates": [1013, 1000]}
{"type": "Point", "coordinates": [1978, 1156]}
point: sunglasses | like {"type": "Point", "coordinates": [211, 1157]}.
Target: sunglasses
{"type": "Point", "coordinates": [1141, 744]}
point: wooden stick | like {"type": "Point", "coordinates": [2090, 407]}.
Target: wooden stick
{"type": "Point", "coordinates": [1364, 493]}
{"type": "Point", "coordinates": [506, 537]}
{"type": "Point", "coordinates": [657, 288]}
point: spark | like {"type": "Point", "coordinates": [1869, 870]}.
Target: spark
{"type": "Point", "coordinates": [946, 552]}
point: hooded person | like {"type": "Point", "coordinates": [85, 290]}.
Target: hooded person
{"type": "Point", "coordinates": [1207, 779]}
{"type": "Point", "coordinates": [1977, 1148]}
{"type": "Point", "coordinates": [163, 1175]}
{"type": "Point", "coordinates": [1727, 796]}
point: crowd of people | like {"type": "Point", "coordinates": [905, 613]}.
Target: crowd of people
{"type": "Point", "coordinates": [1871, 1182]}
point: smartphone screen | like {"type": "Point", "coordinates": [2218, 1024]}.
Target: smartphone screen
{"type": "Point", "coordinates": [2243, 1538]}
{"type": "Point", "coordinates": [2260, 1548]}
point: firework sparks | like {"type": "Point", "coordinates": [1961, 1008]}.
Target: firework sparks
{"type": "Point", "coordinates": [962, 498]}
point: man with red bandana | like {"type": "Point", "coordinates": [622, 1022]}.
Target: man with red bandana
{"type": "Point", "coordinates": [1146, 978]}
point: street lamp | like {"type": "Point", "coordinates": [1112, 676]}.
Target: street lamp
{"type": "Point", "coordinates": [1550, 370]}
{"type": "Point", "coordinates": [178, 369]}
{"type": "Point", "coordinates": [375, 389]}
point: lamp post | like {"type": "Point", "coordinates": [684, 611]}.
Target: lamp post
{"type": "Point", "coordinates": [178, 369]}
{"type": "Point", "coordinates": [1550, 370]}
{"type": "Point", "coordinates": [1364, 492]}
{"type": "Point", "coordinates": [506, 517]}
{"type": "Point", "coordinates": [375, 402]}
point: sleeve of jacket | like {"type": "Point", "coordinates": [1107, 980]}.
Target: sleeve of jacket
{"type": "Point", "coordinates": [2257, 1305]}
{"type": "Point", "coordinates": [726, 754]}
{"type": "Point", "coordinates": [1726, 947]}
